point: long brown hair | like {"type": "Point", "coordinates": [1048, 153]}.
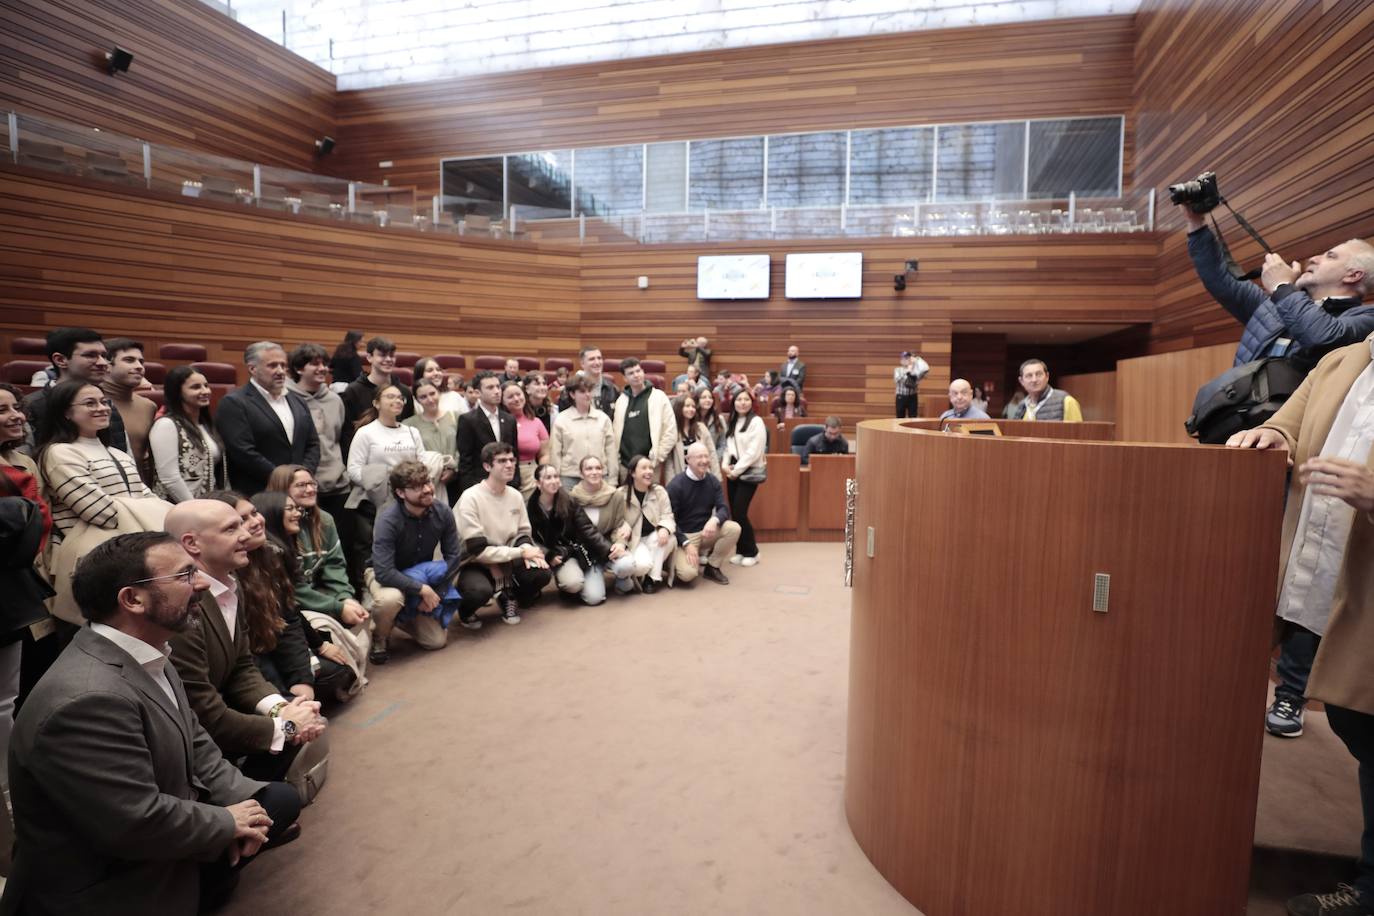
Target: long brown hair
{"type": "Point", "coordinates": [265, 588]}
{"type": "Point", "coordinates": [311, 520]}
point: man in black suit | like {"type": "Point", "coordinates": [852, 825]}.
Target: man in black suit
{"type": "Point", "coordinates": [122, 803]}
{"type": "Point", "coordinates": [487, 422]}
{"type": "Point", "coordinates": [264, 425]}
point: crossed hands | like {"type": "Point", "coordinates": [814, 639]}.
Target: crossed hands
{"type": "Point", "coordinates": [306, 715]}
{"type": "Point", "coordinates": [251, 824]}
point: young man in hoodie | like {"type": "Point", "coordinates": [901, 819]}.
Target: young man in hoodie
{"type": "Point", "coordinates": [308, 366]}
{"type": "Point", "coordinates": [643, 423]}
{"type": "Point", "coordinates": [121, 385]}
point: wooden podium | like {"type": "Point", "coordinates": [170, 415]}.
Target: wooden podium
{"type": "Point", "coordinates": [1012, 750]}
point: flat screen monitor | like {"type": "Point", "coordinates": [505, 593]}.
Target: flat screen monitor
{"type": "Point", "coordinates": [831, 275]}
{"type": "Point", "coordinates": [733, 276]}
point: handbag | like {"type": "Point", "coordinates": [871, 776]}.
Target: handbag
{"type": "Point", "coordinates": [756, 474]}
{"type": "Point", "coordinates": [1242, 398]}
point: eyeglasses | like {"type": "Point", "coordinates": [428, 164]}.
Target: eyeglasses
{"type": "Point", "coordinates": [306, 485]}
{"type": "Point", "coordinates": [187, 575]}
{"type": "Point", "coordinates": [293, 510]}
{"type": "Point", "coordinates": [93, 404]}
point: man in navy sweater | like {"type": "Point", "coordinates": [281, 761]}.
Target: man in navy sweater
{"type": "Point", "coordinates": [705, 532]}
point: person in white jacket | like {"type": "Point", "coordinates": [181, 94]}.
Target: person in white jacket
{"type": "Point", "coordinates": [745, 466]}
{"type": "Point", "coordinates": [644, 423]}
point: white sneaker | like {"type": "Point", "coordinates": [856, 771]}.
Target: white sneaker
{"type": "Point", "coordinates": [736, 560]}
{"type": "Point", "coordinates": [749, 561]}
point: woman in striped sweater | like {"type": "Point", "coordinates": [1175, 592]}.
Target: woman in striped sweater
{"type": "Point", "coordinates": [81, 472]}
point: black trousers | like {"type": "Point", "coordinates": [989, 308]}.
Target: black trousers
{"type": "Point", "coordinates": [268, 767]}
{"type": "Point", "coordinates": [741, 495]}
{"type": "Point", "coordinates": [1356, 730]}
{"type": "Point", "coordinates": [217, 879]}
{"type": "Point", "coordinates": [477, 586]}
{"type": "Point", "coordinates": [906, 406]}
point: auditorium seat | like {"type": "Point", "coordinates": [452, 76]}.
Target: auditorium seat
{"type": "Point", "coordinates": [154, 372]}
{"type": "Point", "coordinates": [451, 360]}
{"type": "Point", "coordinates": [658, 382]}
{"type": "Point", "coordinates": [21, 371]}
{"type": "Point", "coordinates": [217, 373]}
{"type": "Point", "coordinates": [610, 365]}
{"type": "Point", "coordinates": [495, 363]}
{"type": "Point", "coordinates": [550, 378]}
{"type": "Point", "coordinates": [406, 360]}
{"type": "Point", "coordinates": [527, 363]}
{"type": "Point", "coordinates": [800, 435]}
{"type": "Point", "coordinates": [184, 352]}
{"type": "Point", "coordinates": [404, 374]}
{"type": "Point", "coordinates": [555, 363]}
{"type": "Point", "coordinates": [24, 346]}
{"type": "Point", "coordinates": [654, 365]}
{"type": "Point", "coordinates": [156, 395]}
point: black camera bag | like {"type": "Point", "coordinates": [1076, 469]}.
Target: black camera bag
{"type": "Point", "coordinates": [1242, 397]}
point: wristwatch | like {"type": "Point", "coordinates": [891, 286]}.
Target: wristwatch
{"type": "Point", "coordinates": [288, 728]}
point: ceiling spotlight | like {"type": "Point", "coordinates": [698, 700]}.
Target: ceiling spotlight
{"type": "Point", "coordinates": [324, 146]}
{"type": "Point", "coordinates": [118, 60]}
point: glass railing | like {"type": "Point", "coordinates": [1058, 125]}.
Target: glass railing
{"type": "Point", "coordinates": [98, 155]}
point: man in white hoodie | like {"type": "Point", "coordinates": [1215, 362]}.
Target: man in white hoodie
{"type": "Point", "coordinates": [643, 422]}
{"type": "Point", "coordinates": [308, 369]}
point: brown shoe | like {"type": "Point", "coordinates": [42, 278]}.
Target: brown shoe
{"type": "Point", "coordinates": [715, 574]}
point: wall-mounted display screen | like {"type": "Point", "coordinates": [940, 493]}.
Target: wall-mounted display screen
{"type": "Point", "coordinates": [830, 275]}
{"type": "Point", "coordinates": [732, 276]}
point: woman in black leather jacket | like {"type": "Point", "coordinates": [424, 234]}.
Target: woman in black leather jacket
{"type": "Point", "coordinates": [576, 551]}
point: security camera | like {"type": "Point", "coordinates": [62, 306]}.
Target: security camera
{"type": "Point", "coordinates": [899, 282]}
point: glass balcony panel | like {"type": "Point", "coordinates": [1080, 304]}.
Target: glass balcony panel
{"type": "Point", "coordinates": [1082, 155]}
{"type": "Point", "coordinates": [303, 192]}
{"type": "Point", "coordinates": [807, 222]}
{"type": "Point", "coordinates": [201, 176]}
{"type": "Point", "coordinates": [666, 177]}
{"type": "Point", "coordinates": [740, 225]}
{"type": "Point", "coordinates": [726, 174]}
{"type": "Point", "coordinates": [73, 150]}
{"type": "Point", "coordinates": [473, 187]}
{"type": "Point", "coordinates": [891, 166]}
{"type": "Point", "coordinates": [806, 170]}
{"type": "Point", "coordinates": [540, 184]}
{"type": "Point", "coordinates": [608, 180]}
{"type": "Point", "coordinates": [981, 162]}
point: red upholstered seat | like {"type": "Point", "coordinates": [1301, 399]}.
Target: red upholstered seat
{"type": "Point", "coordinates": [218, 373]}
{"type": "Point", "coordinates": [528, 363]}
{"type": "Point", "coordinates": [183, 351]}
{"type": "Point", "coordinates": [406, 360]}
{"type": "Point", "coordinates": [555, 363]}
{"type": "Point", "coordinates": [29, 346]}
{"type": "Point", "coordinates": [654, 365]}
{"type": "Point", "coordinates": [20, 371]}
{"type": "Point", "coordinates": [495, 363]}
{"type": "Point", "coordinates": [610, 365]}
{"type": "Point", "coordinates": [155, 372]}
{"type": "Point", "coordinates": [156, 395]}
{"type": "Point", "coordinates": [405, 375]}
{"type": "Point", "coordinates": [550, 377]}
{"type": "Point", "coordinates": [451, 360]}
{"type": "Point", "coordinates": [658, 382]}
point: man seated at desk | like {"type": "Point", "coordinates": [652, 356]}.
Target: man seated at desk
{"type": "Point", "coordinates": [827, 442]}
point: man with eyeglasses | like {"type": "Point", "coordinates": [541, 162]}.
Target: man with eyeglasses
{"type": "Point", "coordinates": [122, 802]}
{"type": "Point", "coordinates": [78, 354]}
{"type": "Point", "coordinates": [414, 589]}
{"type": "Point", "coordinates": [242, 712]}
{"type": "Point", "coordinates": [502, 558]}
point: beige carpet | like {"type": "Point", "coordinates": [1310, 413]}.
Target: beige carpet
{"type": "Point", "coordinates": [676, 753]}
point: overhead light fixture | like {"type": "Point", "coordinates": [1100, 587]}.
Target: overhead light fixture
{"type": "Point", "coordinates": [118, 60]}
{"type": "Point", "coordinates": [324, 146]}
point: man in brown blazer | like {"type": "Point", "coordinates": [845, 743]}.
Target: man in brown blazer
{"type": "Point", "coordinates": [122, 803]}
{"type": "Point", "coordinates": [238, 707]}
{"type": "Point", "coordinates": [1327, 577]}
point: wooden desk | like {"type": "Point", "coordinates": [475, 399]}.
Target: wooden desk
{"type": "Point", "coordinates": [825, 478]}
{"type": "Point", "coordinates": [780, 440]}
{"type": "Point", "coordinates": [775, 505]}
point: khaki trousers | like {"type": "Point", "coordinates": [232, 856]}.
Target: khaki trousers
{"type": "Point", "coordinates": [384, 603]}
{"type": "Point", "coordinates": [721, 551]}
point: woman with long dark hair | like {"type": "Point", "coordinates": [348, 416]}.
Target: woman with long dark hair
{"type": "Point", "coordinates": [745, 466]}
{"type": "Point", "coordinates": [321, 582]}
{"type": "Point", "coordinates": [707, 414]}
{"type": "Point", "coordinates": [574, 547]}
{"type": "Point", "coordinates": [451, 398]}
{"type": "Point", "coordinates": [649, 513]}
{"type": "Point", "coordinates": [346, 365]}
{"type": "Point", "coordinates": [789, 405]}
{"type": "Point", "coordinates": [187, 452]}
{"type": "Point", "coordinates": [438, 431]}
{"type": "Point", "coordinates": [532, 439]}
{"type": "Point", "coordinates": [80, 471]}
{"type": "Point", "coordinates": [537, 401]}
{"type": "Point", "coordinates": [689, 429]}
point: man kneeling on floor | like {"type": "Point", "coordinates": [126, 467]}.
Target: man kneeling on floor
{"type": "Point", "coordinates": [122, 802]}
{"type": "Point", "coordinates": [502, 558]}
{"type": "Point", "coordinates": [705, 532]}
{"type": "Point", "coordinates": [417, 590]}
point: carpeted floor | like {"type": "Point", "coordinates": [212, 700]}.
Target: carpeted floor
{"type": "Point", "coordinates": [675, 753]}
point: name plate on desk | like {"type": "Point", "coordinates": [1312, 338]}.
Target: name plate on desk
{"type": "Point", "coordinates": [973, 428]}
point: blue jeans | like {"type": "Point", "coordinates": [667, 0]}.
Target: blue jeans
{"type": "Point", "coordinates": [1356, 730]}
{"type": "Point", "coordinates": [1296, 653]}
{"type": "Point", "coordinates": [431, 573]}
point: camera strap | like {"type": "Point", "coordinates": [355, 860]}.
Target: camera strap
{"type": "Point", "coordinates": [1231, 264]}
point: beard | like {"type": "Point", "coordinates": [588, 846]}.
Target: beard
{"type": "Point", "coordinates": [174, 617]}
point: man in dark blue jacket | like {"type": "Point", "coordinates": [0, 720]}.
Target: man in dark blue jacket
{"type": "Point", "coordinates": [1300, 313]}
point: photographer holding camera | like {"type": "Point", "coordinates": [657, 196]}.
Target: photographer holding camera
{"type": "Point", "coordinates": [1301, 314]}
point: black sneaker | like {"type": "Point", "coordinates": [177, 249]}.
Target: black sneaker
{"type": "Point", "coordinates": [378, 655]}
{"type": "Point", "coordinates": [510, 608]}
{"type": "Point", "coordinates": [649, 586]}
{"type": "Point", "coordinates": [715, 574]}
{"type": "Point", "coordinates": [1341, 902]}
{"type": "Point", "coordinates": [472, 623]}
{"type": "Point", "coordinates": [1284, 717]}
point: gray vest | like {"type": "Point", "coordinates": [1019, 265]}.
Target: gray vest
{"type": "Point", "coordinates": [1051, 408]}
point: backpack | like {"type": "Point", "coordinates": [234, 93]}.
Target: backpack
{"type": "Point", "coordinates": [1242, 397]}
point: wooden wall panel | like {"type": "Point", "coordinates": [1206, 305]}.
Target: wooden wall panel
{"type": "Point", "coordinates": [1154, 394]}
{"type": "Point", "coordinates": [986, 73]}
{"type": "Point", "coordinates": [850, 347]}
{"type": "Point", "coordinates": [1278, 99]}
{"type": "Point", "coordinates": [163, 270]}
{"type": "Point", "coordinates": [199, 80]}
{"type": "Point", "coordinates": [1095, 393]}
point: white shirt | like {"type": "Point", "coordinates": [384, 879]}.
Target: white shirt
{"type": "Point", "coordinates": [494, 418]}
{"type": "Point", "coordinates": [453, 402]}
{"type": "Point", "coordinates": [281, 407]}
{"type": "Point", "coordinates": [1324, 522]}
{"type": "Point", "coordinates": [227, 597]}
{"type": "Point", "coordinates": [149, 657]}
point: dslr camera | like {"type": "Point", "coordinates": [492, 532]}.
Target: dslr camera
{"type": "Point", "coordinates": [1200, 195]}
